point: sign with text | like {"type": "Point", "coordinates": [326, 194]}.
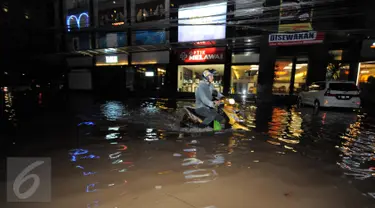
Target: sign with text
{"type": "Point", "coordinates": [111, 59]}
{"type": "Point", "coordinates": [302, 38]}
{"type": "Point", "coordinates": [202, 55]}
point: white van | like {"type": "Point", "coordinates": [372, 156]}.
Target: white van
{"type": "Point", "coordinates": [342, 94]}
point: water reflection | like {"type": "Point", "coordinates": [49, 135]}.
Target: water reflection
{"type": "Point", "coordinates": [113, 110]}
{"type": "Point", "coordinates": [199, 165]}
{"type": "Point", "coordinates": [285, 128]}
{"type": "Point", "coordinates": [9, 110]}
{"type": "Point", "coordinates": [358, 149]}
{"type": "Point", "coordinates": [291, 129]}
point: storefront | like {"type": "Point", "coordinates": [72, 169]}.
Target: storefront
{"type": "Point", "coordinates": [366, 68]}
{"type": "Point", "coordinates": [192, 63]}
{"type": "Point", "coordinates": [287, 78]}
{"type": "Point", "coordinates": [244, 73]}
{"type": "Point", "coordinates": [149, 70]}
{"type": "Point", "coordinates": [110, 73]}
{"type": "Point", "coordinates": [366, 71]}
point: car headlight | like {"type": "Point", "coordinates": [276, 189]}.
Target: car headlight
{"type": "Point", "coordinates": [232, 101]}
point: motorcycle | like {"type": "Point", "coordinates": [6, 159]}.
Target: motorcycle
{"type": "Point", "coordinates": [228, 109]}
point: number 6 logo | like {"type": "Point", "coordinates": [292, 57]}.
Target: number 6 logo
{"type": "Point", "coordinates": [23, 177]}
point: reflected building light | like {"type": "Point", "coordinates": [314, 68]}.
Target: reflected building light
{"type": "Point", "coordinates": [112, 136]}
{"type": "Point", "coordinates": [113, 110]}
{"type": "Point", "coordinates": [91, 188]}
{"type": "Point", "coordinates": [115, 128]}
{"type": "Point", "coordinates": [117, 162]}
{"type": "Point", "coordinates": [88, 173]}
{"type": "Point", "coordinates": [115, 155]}
{"type": "Point", "coordinates": [78, 152]}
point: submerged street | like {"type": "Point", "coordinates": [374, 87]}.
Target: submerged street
{"type": "Point", "coordinates": [133, 154]}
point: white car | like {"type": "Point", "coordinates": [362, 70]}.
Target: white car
{"type": "Point", "coordinates": [341, 94]}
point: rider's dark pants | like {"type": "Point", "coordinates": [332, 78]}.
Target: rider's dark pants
{"type": "Point", "coordinates": [209, 114]}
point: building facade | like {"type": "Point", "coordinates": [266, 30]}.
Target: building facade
{"type": "Point", "coordinates": [258, 47]}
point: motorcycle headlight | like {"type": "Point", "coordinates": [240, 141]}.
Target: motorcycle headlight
{"type": "Point", "coordinates": [232, 101]}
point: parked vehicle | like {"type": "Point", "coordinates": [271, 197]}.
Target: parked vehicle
{"type": "Point", "coordinates": [341, 94]}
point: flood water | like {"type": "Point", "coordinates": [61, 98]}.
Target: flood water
{"type": "Point", "coordinates": [115, 149]}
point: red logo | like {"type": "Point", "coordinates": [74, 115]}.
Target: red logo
{"type": "Point", "coordinates": [202, 55]}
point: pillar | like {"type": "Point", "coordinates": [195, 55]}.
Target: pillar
{"type": "Point", "coordinates": [267, 57]}
{"type": "Point", "coordinates": [92, 16]}
{"type": "Point", "coordinates": [266, 74]}
{"type": "Point", "coordinates": [227, 71]}
{"type": "Point", "coordinates": [292, 78]}
{"type": "Point", "coordinates": [318, 62]}
{"type": "Point", "coordinates": [172, 68]}
{"type": "Point", "coordinates": [352, 57]}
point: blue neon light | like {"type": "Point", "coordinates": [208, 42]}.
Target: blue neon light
{"type": "Point", "coordinates": [77, 19]}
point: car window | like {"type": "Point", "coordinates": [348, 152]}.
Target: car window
{"type": "Point", "coordinates": [343, 86]}
{"type": "Point", "coordinates": [313, 87]}
{"type": "Point", "coordinates": [322, 85]}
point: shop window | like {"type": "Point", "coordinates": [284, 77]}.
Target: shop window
{"type": "Point", "coordinates": [150, 77]}
{"type": "Point", "coordinates": [300, 77]}
{"type": "Point", "coordinates": [148, 37]}
{"type": "Point", "coordinates": [76, 4]}
{"type": "Point", "coordinates": [283, 73]}
{"type": "Point", "coordinates": [366, 72]}
{"type": "Point", "coordinates": [111, 40]}
{"type": "Point", "coordinates": [149, 11]}
{"type": "Point", "coordinates": [337, 71]}
{"type": "Point", "coordinates": [244, 79]}
{"type": "Point", "coordinates": [113, 16]}
{"type": "Point", "coordinates": [189, 77]}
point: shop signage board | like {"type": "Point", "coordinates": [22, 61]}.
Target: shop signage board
{"type": "Point", "coordinates": [202, 23]}
{"type": "Point", "coordinates": [202, 55]}
{"type": "Point", "coordinates": [301, 38]}
{"type": "Point", "coordinates": [295, 15]}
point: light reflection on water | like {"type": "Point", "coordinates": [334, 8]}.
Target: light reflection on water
{"type": "Point", "coordinates": [358, 149]}
{"type": "Point", "coordinates": [9, 109]}
{"type": "Point", "coordinates": [317, 136]}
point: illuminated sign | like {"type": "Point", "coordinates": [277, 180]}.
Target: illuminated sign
{"type": "Point", "coordinates": [204, 22]}
{"type": "Point", "coordinates": [301, 38]}
{"type": "Point", "coordinates": [205, 43]}
{"type": "Point", "coordinates": [81, 21]}
{"type": "Point", "coordinates": [149, 74]}
{"type": "Point", "coordinates": [118, 23]}
{"type": "Point", "coordinates": [202, 55]}
{"type": "Point", "coordinates": [111, 59]}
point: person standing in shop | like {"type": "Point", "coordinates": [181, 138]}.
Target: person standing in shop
{"type": "Point", "coordinates": [204, 104]}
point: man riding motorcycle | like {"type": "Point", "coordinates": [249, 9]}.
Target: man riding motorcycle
{"type": "Point", "coordinates": [204, 104]}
